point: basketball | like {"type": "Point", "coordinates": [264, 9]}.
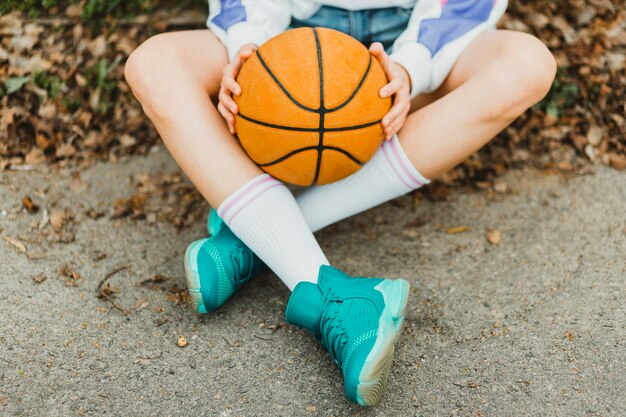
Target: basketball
{"type": "Point", "coordinates": [309, 111]}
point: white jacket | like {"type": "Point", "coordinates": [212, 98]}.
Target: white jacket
{"type": "Point", "coordinates": [437, 33]}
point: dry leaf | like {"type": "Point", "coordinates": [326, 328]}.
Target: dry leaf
{"type": "Point", "coordinates": [182, 341]}
{"type": "Point", "coordinates": [71, 277]}
{"type": "Point", "coordinates": [66, 150]}
{"type": "Point", "coordinates": [15, 243]}
{"type": "Point", "coordinates": [107, 291]}
{"type": "Point", "coordinates": [29, 205]}
{"type": "Point", "coordinates": [500, 187]}
{"type": "Point", "coordinates": [458, 229]}
{"type": "Point", "coordinates": [127, 140]}
{"type": "Point", "coordinates": [494, 236]}
{"type": "Point", "coordinates": [58, 219]}
{"type": "Point", "coordinates": [39, 278]}
{"type": "Point", "coordinates": [35, 156]}
{"type": "Point", "coordinates": [77, 185]}
{"type": "Point", "coordinates": [617, 161]}
{"type": "Point", "coordinates": [595, 135]}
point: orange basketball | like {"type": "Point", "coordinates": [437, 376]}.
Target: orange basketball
{"type": "Point", "coordinates": [309, 111]}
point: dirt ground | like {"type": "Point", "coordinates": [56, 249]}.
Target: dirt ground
{"type": "Point", "coordinates": [532, 325]}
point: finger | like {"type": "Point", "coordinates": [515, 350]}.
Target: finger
{"type": "Point", "coordinates": [395, 127]}
{"type": "Point", "coordinates": [379, 53]}
{"type": "Point", "coordinates": [399, 107]}
{"type": "Point", "coordinates": [399, 112]}
{"type": "Point", "coordinates": [388, 90]}
{"type": "Point", "coordinates": [230, 119]}
{"type": "Point", "coordinates": [376, 48]}
{"type": "Point", "coordinates": [246, 51]}
{"type": "Point", "coordinates": [229, 83]}
{"type": "Point", "coordinates": [227, 101]}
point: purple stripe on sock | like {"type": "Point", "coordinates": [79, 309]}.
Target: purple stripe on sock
{"type": "Point", "coordinates": [241, 193]}
{"type": "Point", "coordinates": [254, 197]}
{"type": "Point", "coordinates": [395, 147]}
{"type": "Point", "coordinates": [393, 166]}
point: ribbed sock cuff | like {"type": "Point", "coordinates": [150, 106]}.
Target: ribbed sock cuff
{"type": "Point", "coordinates": [398, 163]}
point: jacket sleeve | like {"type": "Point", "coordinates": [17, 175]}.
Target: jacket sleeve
{"type": "Point", "coordinates": [237, 22]}
{"type": "Point", "coordinates": [437, 34]}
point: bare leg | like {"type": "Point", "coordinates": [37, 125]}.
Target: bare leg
{"type": "Point", "coordinates": [498, 77]}
{"type": "Point", "coordinates": [176, 76]}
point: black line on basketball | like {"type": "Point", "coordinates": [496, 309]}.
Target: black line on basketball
{"type": "Point", "coordinates": [322, 109]}
{"type": "Point", "coordinates": [310, 148]}
{"type": "Point", "coordinates": [289, 155]}
{"type": "Point", "coordinates": [356, 90]}
{"type": "Point", "coordinates": [281, 127]}
{"type": "Point", "coordinates": [346, 153]}
{"type": "Point", "coordinates": [307, 129]}
{"type": "Point", "coordinates": [355, 127]}
{"type": "Point", "coordinates": [282, 87]}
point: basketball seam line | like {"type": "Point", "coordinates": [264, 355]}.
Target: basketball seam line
{"type": "Point", "coordinates": [307, 129]}
{"type": "Point", "coordinates": [322, 110]}
{"type": "Point", "coordinates": [282, 87]}
{"type": "Point", "coordinates": [310, 148]}
{"type": "Point", "coordinates": [356, 90]}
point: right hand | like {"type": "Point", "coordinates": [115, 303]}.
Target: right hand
{"type": "Point", "coordinates": [226, 105]}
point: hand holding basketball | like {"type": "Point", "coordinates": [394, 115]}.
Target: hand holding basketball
{"type": "Point", "coordinates": [399, 85]}
{"type": "Point", "coordinates": [227, 106]}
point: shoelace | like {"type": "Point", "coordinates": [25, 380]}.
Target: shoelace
{"type": "Point", "coordinates": [241, 260]}
{"type": "Point", "coordinates": [333, 333]}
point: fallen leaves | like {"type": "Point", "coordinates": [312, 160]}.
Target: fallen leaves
{"type": "Point", "coordinates": [16, 244]}
{"type": "Point", "coordinates": [28, 204]}
{"type": "Point", "coordinates": [132, 206]}
{"type": "Point", "coordinates": [70, 276]}
{"type": "Point", "coordinates": [77, 185]}
{"type": "Point", "coordinates": [58, 219]}
{"type": "Point", "coordinates": [458, 229]}
{"type": "Point", "coordinates": [104, 289]}
{"type": "Point", "coordinates": [494, 236]}
{"type": "Point", "coordinates": [39, 278]}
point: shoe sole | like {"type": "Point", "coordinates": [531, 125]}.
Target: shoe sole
{"type": "Point", "coordinates": [193, 277]}
{"type": "Point", "coordinates": [375, 372]}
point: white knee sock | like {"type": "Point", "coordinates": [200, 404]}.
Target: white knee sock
{"type": "Point", "coordinates": [266, 217]}
{"type": "Point", "coordinates": [389, 174]}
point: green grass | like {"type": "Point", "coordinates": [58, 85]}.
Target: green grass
{"type": "Point", "coordinates": [92, 9]}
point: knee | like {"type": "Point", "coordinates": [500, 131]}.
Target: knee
{"type": "Point", "coordinates": [526, 73]}
{"type": "Point", "coordinates": [149, 71]}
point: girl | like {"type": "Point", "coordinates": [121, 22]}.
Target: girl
{"type": "Point", "coordinates": [455, 82]}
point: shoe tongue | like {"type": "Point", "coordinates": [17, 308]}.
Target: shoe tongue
{"type": "Point", "coordinates": [303, 308]}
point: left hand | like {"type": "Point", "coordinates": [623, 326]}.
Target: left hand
{"type": "Point", "coordinates": [399, 86]}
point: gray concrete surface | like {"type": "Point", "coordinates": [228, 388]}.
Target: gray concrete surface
{"type": "Point", "coordinates": [532, 326]}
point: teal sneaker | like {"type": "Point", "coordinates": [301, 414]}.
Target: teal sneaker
{"type": "Point", "coordinates": [358, 320]}
{"type": "Point", "coordinates": [217, 266]}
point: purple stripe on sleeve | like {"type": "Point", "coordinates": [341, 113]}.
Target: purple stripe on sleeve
{"type": "Point", "coordinates": [232, 11]}
{"type": "Point", "coordinates": [457, 18]}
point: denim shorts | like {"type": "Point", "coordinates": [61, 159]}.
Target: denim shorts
{"type": "Point", "coordinates": [367, 26]}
